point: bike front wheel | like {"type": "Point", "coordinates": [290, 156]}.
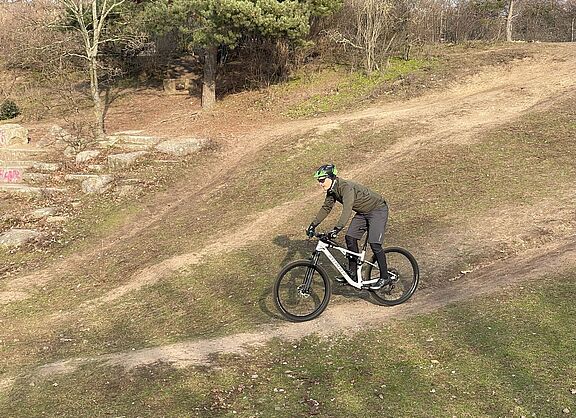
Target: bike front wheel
{"type": "Point", "coordinates": [302, 291]}
{"type": "Point", "coordinates": [405, 275]}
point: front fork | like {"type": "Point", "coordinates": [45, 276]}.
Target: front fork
{"type": "Point", "coordinates": [305, 288]}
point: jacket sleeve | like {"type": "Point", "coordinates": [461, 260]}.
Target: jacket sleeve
{"type": "Point", "coordinates": [324, 210]}
{"type": "Point", "coordinates": [348, 203]}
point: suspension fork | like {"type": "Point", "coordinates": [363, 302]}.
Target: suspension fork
{"type": "Point", "coordinates": [310, 272]}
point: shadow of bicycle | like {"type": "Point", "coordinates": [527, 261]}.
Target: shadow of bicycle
{"type": "Point", "coordinates": [295, 249]}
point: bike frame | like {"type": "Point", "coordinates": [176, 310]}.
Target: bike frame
{"type": "Point", "coordinates": [323, 248]}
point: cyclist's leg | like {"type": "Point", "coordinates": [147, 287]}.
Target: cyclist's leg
{"type": "Point", "coordinates": [357, 228]}
{"type": "Point", "coordinates": [380, 259]}
{"type": "Point", "coordinates": [377, 220]}
{"type": "Point", "coordinates": [352, 244]}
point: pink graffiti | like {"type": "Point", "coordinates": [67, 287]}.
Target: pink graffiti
{"type": "Point", "coordinates": [10, 175]}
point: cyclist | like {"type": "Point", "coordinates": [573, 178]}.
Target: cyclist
{"type": "Point", "coordinates": [371, 216]}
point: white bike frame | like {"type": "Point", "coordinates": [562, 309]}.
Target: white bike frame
{"type": "Point", "coordinates": [323, 248]}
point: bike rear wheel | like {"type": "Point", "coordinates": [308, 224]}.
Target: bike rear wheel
{"type": "Point", "coordinates": [302, 291]}
{"type": "Point", "coordinates": [403, 269]}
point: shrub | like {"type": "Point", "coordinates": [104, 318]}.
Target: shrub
{"type": "Point", "coordinates": [8, 110]}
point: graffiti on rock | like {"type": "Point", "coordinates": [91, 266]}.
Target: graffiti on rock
{"type": "Point", "coordinates": [11, 175]}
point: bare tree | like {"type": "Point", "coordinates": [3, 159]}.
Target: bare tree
{"type": "Point", "coordinates": [367, 27]}
{"type": "Point", "coordinates": [90, 19]}
{"type": "Point", "coordinates": [510, 16]}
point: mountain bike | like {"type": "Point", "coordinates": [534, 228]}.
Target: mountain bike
{"type": "Point", "coordinates": [302, 289]}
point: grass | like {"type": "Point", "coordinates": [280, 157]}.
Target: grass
{"type": "Point", "coordinates": [517, 164]}
{"type": "Point", "coordinates": [230, 292]}
{"type": "Point", "coordinates": [352, 88]}
{"type": "Point", "coordinates": [508, 354]}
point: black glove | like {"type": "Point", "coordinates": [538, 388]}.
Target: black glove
{"type": "Point", "coordinates": [332, 234]}
{"type": "Point", "coordinates": [311, 230]}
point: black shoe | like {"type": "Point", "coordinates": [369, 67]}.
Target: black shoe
{"type": "Point", "coordinates": [383, 281]}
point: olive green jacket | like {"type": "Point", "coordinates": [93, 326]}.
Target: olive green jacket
{"type": "Point", "coordinates": [353, 196]}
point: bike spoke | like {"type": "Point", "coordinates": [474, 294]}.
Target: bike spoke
{"type": "Point", "coordinates": [403, 271]}
{"type": "Point", "coordinates": [301, 292]}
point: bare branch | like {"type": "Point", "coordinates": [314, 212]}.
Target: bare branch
{"type": "Point", "coordinates": [339, 38]}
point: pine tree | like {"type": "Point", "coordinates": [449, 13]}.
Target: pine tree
{"type": "Point", "coordinates": [213, 23]}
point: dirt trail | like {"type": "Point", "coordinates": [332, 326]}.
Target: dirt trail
{"type": "Point", "coordinates": [454, 116]}
{"type": "Point", "coordinates": [493, 99]}
{"type": "Point", "coordinates": [488, 99]}
{"type": "Point", "coordinates": [557, 257]}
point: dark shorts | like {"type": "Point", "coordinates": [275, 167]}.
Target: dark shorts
{"type": "Point", "coordinates": [374, 222]}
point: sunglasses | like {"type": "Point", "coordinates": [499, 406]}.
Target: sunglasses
{"type": "Point", "coordinates": [322, 179]}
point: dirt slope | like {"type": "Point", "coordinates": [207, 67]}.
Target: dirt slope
{"type": "Point", "coordinates": [455, 116]}
{"type": "Point", "coordinates": [353, 316]}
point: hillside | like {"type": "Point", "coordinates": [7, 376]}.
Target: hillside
{"type": "Point", "coordinates": [478, 171]}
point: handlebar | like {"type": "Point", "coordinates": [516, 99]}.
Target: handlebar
{"type": "Point", "coordinates": [325, 238]}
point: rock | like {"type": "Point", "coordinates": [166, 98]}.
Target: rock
{"type": "Point", "coordinates": [566, 410]}
{"type": "Point", "coordinates": [70, 152]}
{"type": "Point", "coordinates": [79, 177]}
{"type": "Point", "coordinates": [43, 213]}
{"type": "Point", "coordinates": [181, 147]}
{"type": "Point", "coordinates": [98, 184]}
{"type": "Point", "coordinates": [128, 190]}
{"type": "Point", "coordinates": [46, 167]}
{"type": "Point", "coordinates": [85, 156]}
{"type": "Point", "coordinates": [36, 177]}
{"type": "Point", "coordinates": [60, 137]}
{"type": "Point", "coordinates": [119, 161]}
{"type": "Point", "coordinates": [132, 140]}
{"type": "Point", "coordinates": [14, 238]}
{"type": "Point", "coordinates": [11, 174]}
{"type": "Point", "coordinates": [27, 190]}
{"type": "Point", "coordinates": [56, 219]}
{"type": "Point", "coordinates": [11, 134]}
{"type": "Point", "coordinates": [97, 167]}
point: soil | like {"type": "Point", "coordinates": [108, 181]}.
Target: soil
{"type": "Point", "coordinates": [454, 115]}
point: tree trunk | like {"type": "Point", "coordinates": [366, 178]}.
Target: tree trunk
{"type": "Point", "coordinates": [209, 81]}
{"type": "Point", "coordinates": [95, 91]}
{"type": "Point", "coordinates": [509, 21]}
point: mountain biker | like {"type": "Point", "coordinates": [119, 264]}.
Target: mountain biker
{"type": "Point", "coordinates": [371, 216]}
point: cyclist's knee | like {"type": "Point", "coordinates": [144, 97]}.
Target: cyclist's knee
{"type": "Point", "coordinates": [351, 243]}
{"type": "Point", "coordinates": [376, 247]}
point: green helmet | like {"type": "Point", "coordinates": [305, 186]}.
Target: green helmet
{"type": "Point", "coordinates": [327, 170]}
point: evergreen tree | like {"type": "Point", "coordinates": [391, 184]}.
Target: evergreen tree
{"type": "Point", "coordinates": [210, 24]}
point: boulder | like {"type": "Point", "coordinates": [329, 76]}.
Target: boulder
{"type": "Point", "coordinates": [43, 213]}
{"type": "Point", "coordinates": [97, 184]}
{"type": "Point", "coordinates": [97, 167]}
{"type": "Point", "coordinates": [14, 238]}
{"type": "Point", "coordinates": [56, 219]}
{"type": "Point", "coordinates": [13, 134]}
{"type": "Point", "coordinates": [85, 156]}
{"type": "Point", "coordinates": [11, 174]}
{"type": "Point", "coordinates": [79, 177]}
{"type": "Point", "coordinates": [119, 161]}
{"type": "Point", "coordinates": [128, 190]}
{"type": "Point", "coordinates": [70, 152]}
{"type": "Point", "coordinates": [46, 167]}
{"type": "Point", "coordinates": [181, 147]}
{"type": "Point", "coordinates": [22, 189]}
{"type": "Point", "coordinates": [36, 177]}
{"type": "Point", "coordinates": [60, 135]}
{"type": "Point", "coordinates": [135, 138]}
